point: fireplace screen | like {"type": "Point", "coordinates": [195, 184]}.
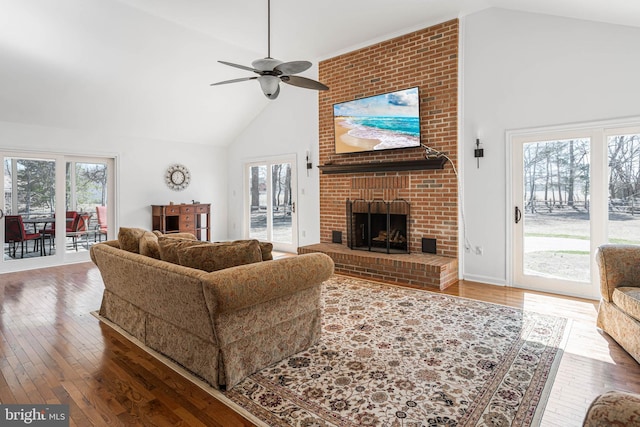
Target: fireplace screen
{"type": "Point", "coordinates": [378, 226]}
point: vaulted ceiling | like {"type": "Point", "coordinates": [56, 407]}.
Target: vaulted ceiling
{"type": "Point", "coordinates": [143, 67]}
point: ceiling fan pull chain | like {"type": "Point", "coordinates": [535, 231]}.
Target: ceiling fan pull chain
{"type": "Point", "coordinates": [268, 28]}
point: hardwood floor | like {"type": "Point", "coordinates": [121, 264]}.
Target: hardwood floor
{"type": "Point", "coordinates": [54, 351]}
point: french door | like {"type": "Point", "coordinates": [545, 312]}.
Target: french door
{"type": "Point", "coordinates": [270, 202]}
{"type": "Point", "coordinates": [571, 191]}
{"type": "Point", "coordinates": [49, 208]}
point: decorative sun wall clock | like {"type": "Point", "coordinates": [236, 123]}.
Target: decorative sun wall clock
{"type": "Point", "coordinates": [177, 177]}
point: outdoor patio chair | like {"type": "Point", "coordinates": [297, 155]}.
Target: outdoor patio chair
{"type": "Point", "coordinates": [50, 233]}
{"type": "Point", "coordinates": [101, 229]}
{"type": "Point", "coordinates": [81, 229]}
{"type": "Point", "coordinates": [14, 233]}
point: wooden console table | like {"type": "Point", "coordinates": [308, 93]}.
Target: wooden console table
{"type": "Point", "coordinates": [183, 218]}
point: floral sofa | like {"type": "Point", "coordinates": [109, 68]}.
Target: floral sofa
{"type": "Point", "coordinates": [218, 310]}
{"type": "Point", "coordinates": [619, 310]}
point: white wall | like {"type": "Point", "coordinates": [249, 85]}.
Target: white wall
{"type": "Point", "coordinates": [525, 70]}
{"type": "Point", "coordinates": [288, 125]}
{"type": "Point", "coordinates": [142, 164]}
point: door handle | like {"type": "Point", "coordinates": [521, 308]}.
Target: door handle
{"type": "Point", "coordinates": [518, 214]}
{"type": "Point", "coordinates": [293, 207]}
{"type": "Point", "coordinates": [1, 214]}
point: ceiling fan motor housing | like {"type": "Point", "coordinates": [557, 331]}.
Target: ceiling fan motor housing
{"type": "Point", "coordinates": [265, 64]}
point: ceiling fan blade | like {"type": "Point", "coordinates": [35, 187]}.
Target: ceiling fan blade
{"type": "Point", "coordinates": [233, 81]}
{"type": "Point", "coordinates": [293, 67]}
{"type": "Point", "coordinates": [303, 82]}
{"type": "Point", "coordinates": [242, 67]}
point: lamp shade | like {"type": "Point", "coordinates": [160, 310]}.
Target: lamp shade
{"type": "Point", "coordinates": [269, 85]}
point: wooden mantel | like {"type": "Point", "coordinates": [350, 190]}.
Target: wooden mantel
{"type": "Point", "coordinates": [408, 165]}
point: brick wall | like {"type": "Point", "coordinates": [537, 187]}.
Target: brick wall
{"type": "Point", "coordinates": [428, 59]}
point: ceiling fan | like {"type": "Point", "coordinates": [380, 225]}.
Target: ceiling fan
{"type": "Point", "coordinates": [270, 72]}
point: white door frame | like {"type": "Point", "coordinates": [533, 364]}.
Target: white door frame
{"type": "Point", "coordinates": [269, 161]}
{"type": "Point", "coordinates": [61, 256]}
{"type": "Point", "coordinates": [598, 133]}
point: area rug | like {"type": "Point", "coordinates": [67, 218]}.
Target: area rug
{"type": "Point", "coordinates": [400, 357]}
{"type": "Point", "coordinates": [392, 356]}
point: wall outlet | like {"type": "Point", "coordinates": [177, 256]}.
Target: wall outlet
{"type": "Point", "coordinates": [479, 250]}
{"type": "Point", "coordinates": [304, 233]}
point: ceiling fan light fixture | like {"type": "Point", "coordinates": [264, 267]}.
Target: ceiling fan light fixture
{"type": "Point", "coordinates": [269, 85]}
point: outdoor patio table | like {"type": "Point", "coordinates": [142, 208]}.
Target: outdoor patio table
{"type": "Point", "coordinates": [35, 222]}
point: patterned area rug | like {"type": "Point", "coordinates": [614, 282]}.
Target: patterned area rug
{"type": "Point", "coordinates": [392, 356]}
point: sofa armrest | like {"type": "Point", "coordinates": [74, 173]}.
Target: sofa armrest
{"type": "Point", "coordinates": [619, 265]}
{"type": "Point", "coordinates": [112, 243]}
{"type": "Point", "coordinates": [243, 286]}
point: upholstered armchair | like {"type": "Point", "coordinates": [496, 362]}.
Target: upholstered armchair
{"type": "Point", "coordinates": [619, 310]}
{"type": "Point", "coordinates": [614, 408]}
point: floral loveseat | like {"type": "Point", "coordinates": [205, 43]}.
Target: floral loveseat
{"type": "Point", "coordinates": [216, 309]}
{"type": "Point", "coordinates": [619, 310]}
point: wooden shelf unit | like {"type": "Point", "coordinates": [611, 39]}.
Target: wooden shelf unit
{"type": "Point", "coordinates": [183, 218]}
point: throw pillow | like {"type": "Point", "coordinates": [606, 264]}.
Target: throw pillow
{"type": "Point", "coordinates": [183, 235]}
{"type": "Point", "coordinates": [149, 245]}
{"type": "Point", "coordinates": [169, 247]}
{"type": "Point", "coordinates": [129, 238]}
{"type": "Point", "coordinates": [265, 249]}
{"type": "Point", "coordinates": [217, 256]}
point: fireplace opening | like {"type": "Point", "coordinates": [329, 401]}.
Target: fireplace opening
{"type": "Point", "coordinates": [378, 226]}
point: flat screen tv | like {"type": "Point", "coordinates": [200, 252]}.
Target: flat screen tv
{"type": "Point", "coordinates": [382, 122]}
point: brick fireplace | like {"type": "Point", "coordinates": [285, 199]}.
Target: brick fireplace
{"type": "Point", "coordinates": [427, 59]}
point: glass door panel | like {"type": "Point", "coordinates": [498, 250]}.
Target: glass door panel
{"type": "Point", "coordinates": [86, 195]}
{"type": "Point", "coordinates": [556, 215]}
{"type": "Point", "coordinates": [258, 202]}
{"type": "Point", "coordinates": [282, 203]}
{"type": "Point", "coordinates": [623, 189]}
{"type": "Point", "coordinates": [29, 206]}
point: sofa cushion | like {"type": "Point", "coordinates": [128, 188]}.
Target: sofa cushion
{"type": "Point", "coordinates": [266, 249]}
{"type": "Point", "coordinates": [628, 300]}
{"type": "Point", "coordinates": [149, 245]}
{"type": "Point", "coordinates": [169, 247]}
{"type": "Point", "coordinates": [129, 238]}
{"type": "Point", "coordinates": [217, 256]}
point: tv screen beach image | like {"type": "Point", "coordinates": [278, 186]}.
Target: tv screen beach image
{"type": "Point", "coordinates": [381, 122]}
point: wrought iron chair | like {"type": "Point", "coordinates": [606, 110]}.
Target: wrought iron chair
{"type": "Point", "coordinates": [14, 233]}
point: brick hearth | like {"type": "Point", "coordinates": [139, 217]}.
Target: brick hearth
{"type": "Point", "coordinates": [417, 269]}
